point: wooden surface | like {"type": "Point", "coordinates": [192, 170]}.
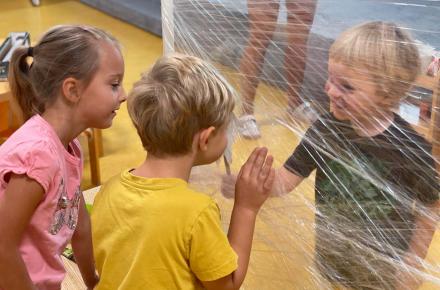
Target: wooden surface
{"type": "Point", "coordinates": [4, 91]}
{"type": "Point", "coordinates": [73, 279]}
{"type": "Point", "coordinates": [425, 128]}
{"type": "Point", "coordinates": [435, 123]}
{"type": "Point", "coordinates": [5, 110]}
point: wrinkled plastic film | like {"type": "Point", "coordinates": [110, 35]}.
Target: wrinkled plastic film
{"type": "Point", "coordinates": [355, 219]}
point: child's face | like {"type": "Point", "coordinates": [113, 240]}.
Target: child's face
{"type": "Point", "coordinates": [352, 92]}
{"type": "Point", "coordinates": [104, 94]}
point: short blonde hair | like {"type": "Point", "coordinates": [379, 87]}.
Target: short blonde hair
{"type": "Point", "coordinates": [385, 51]}
{"type": "Point", "coordinates": [176, 98]}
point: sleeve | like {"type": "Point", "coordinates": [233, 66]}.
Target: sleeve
{"type": "Point", "coordinates": [211, 256]}
{"type": "Point", "coordinates": [426, 183]}
{"type": "Point", "coordinates": [302, 161]}
{"type": "Point", "coordinates": [37, 161]}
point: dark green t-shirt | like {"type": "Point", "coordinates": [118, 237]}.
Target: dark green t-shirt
{"type": "Point", "coordinates": [367, 189]}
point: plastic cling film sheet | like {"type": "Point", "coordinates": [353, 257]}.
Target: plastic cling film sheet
{"type": "Point", "coordinates": [345, 94]}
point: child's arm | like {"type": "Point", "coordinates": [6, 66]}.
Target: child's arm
{"type": "Point", "coordinates": [253, 186]}
{"type": "Point", "coordinates": [285, 182]}
{"type": "Point", "coordinates": [17, 206]}
{"type": "Point", "coordinates": [82, 247]}
{"type": "Point", "coordinates": [418, 247]}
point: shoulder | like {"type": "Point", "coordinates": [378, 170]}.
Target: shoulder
{"type": "Point", "coordinates": [195, 206]}
{"type": "Point", "coordinates": [114, 184]}
{"type": "Point", "coordinates": [25, 147]}
{"type": "Point", "coordinates": [37, 159]}
{"type": "Point", "coordinates": [198, 201]}
{"type": "Point", "coordinates": [403, 134]}
{"type": "Point", "coordinates": [31, 136]}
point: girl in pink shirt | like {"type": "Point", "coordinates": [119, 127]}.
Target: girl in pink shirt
{"type": "Point", "coordinates": [70, 81]}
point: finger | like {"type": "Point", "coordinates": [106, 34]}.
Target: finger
{"type": "Point", "coordinates": [240, 173]}
{"type": "Point", "coordinates": [247, 167]}
{"type": "Point", "coordinates": [268, 184]}
{"type": "Point", "coordinates": [266, 168]}
{"type": "Point", "coordinates": [258, 164]}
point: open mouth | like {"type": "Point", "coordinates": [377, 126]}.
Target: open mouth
{"type": "Point", "coordinates": [340, 104]}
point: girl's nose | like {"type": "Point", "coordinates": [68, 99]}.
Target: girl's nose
{"type": "Point", "coordinates": [122, 95]}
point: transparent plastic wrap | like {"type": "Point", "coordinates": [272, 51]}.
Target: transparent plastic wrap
{"type": "Point", "coordinates": [345, 94]}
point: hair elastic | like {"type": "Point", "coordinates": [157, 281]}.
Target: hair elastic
{"type": "Point", "coordinates": [30, 51]}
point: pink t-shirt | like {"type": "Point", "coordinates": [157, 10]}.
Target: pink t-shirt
{"type": "Point", "coordinates": [36, 150]}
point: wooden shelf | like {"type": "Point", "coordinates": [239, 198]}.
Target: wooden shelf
{"type": "Point", "coordinates": [429, 128]}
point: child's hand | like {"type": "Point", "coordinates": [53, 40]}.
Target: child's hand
{"type": "Point", "coordinates": [407, 278]}
{"type": "Point", "coordinates": [407, 281]}
{"type": "Point", "coordinates": [228, 185]}
{"type": "Point", "coordinates": [255, 180]}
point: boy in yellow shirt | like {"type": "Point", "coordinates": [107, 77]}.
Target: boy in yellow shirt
{"type": "Point", "coordinates": [150, 229]}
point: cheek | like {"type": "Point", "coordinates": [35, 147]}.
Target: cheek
{"type": "Point", "coordinates": [223, 144]}
{"type": "Point", "coordinates": [327, 87]}
{"type": "Point", "coordinates": [352, 103]}
{"type": "Point", "coordinates": [332, 91]}
{"type": "Point", "coordinates": [359, 107]}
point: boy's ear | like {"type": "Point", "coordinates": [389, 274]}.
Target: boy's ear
{"type": "Point", "coordinates": [204, 136]}
{"type": "Point", "coordinates": [70, 89]}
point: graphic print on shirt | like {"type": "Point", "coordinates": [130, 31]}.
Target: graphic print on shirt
{"type": "Point", "coordinates": [347, 193]}
{"type": "Point", "coordinates": [66, 212]}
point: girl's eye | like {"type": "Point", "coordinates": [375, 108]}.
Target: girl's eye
{"type": "Point", "coordinates": [115, 86]}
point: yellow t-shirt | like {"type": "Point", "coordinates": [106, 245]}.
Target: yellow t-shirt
{"type": "Point", "coordinates": [157, 233]}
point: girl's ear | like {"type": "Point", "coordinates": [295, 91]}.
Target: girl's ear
{"type": "Point", "coordinates": [204, 136]}
{"type": "Point", "coordinates": [70, 89]}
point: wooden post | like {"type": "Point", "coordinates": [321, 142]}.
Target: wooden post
{"type": "Point", "coordinates": [435, 123]}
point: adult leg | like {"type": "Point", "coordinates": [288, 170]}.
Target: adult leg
{"type": "Point", "coordinates": [300, 14]}
{"type": "Point", "coordinates": [263, 17]}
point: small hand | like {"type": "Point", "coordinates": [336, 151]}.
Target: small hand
{"type": "Point", "coordinates": [407, 281]}
{"type": "Point", "coordinates": [255, 180]}
{"type": "Point", "coordinates": [408, 278]}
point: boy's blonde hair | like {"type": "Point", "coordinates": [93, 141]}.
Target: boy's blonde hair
{"type": "Point", "coordinates": [385, 51]}
{"type": "Point", "coordinates": [176, 98]}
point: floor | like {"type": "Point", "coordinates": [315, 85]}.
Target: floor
{"type": "Point", "coordinates": [282, 255]}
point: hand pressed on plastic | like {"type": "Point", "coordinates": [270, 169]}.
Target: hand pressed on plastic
{"type": "Point", "coordinates": [409, 278]}
{"type": "Point", "coordinates": [255, 180]}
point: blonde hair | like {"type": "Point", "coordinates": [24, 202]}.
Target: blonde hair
{"type": "Point", "coordinates": [385, 51]}
{"type": "Point", "coordinates": [176, 98]}
{"type": "Point", "coordinates": [63, 51]}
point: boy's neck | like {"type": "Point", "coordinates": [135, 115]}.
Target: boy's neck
{"type": "Point", "coordinates": [373, 125]}
{"type": "Point", "coordinates": [166, 167]}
